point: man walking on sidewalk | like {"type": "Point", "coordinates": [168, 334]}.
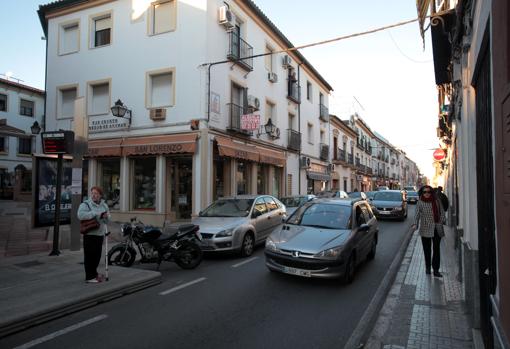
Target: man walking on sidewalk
{"type": "Point", "coordinates": [430, 217]}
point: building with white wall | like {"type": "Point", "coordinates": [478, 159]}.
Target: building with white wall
{"type": "Point", "coordinates": [343, 143]}
{"type": "Point", "coordinates": [180, 67]}
{"type": "Point", "coordinates": [21, 107]}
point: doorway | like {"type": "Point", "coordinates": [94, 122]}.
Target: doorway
{"type": "Point", "coordinates": [180, 183]}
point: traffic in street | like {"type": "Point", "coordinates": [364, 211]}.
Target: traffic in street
{"type": "Point", "coordinates": [227, 302]}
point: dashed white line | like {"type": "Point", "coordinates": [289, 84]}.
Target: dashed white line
{"type": "Point", "coordinates": [164, 293]}
{"type": "Point", "coordinates": [244, 262]}
{"type": "Point", "coordinates": [62, 332]}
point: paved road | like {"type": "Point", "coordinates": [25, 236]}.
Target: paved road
{"type": "Point", "coordinates": [227, 302]}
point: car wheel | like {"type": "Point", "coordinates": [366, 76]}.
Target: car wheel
{"type": "Point", "coordinates": [350, 269]}
{"type": "Point", "coordinates": [248, 245]}
{"type": "Point", "coordinates": [371, 254]}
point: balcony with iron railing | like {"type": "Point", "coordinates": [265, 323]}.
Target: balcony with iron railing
{"type": "Point", "coordinates": [294, 140]}
{"type": "Point", "coordinates": [293, 91]}
{"type": "Point", "coordinates": [350, 159]}
{"type": "Point", "coordinates": [358, 162]}
{"type": "Point", "coordinates": [238, 49]}
{"type": "Point", "coordinates": [368, 149]}
{"type": "Point", "coordinates": [324, 151]}
{"type": "Point", "coordinates": [359, 144]}
{"type": "Point", "coordinates": [323, 113]}
{"type": "Point", "coordinates": [235, 119]}
{"type": "Point", "coordinates": [341, 156]}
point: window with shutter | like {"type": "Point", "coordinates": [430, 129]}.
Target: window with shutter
{"type": "Point", "coordinates": [163, 17]}
{"type": "Point", "coordinates": [102, 31]}
{"type": "Point", "coordinates": [69, 38]}
{"type": "Point", "coordinates": [26, 107]}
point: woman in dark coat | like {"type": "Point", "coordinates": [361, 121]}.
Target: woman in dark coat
{"type": "Point", "coordinates": [430, 218]}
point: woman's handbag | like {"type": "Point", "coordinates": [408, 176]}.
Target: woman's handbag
{"type": "Point", "coordinates": [87, 225]}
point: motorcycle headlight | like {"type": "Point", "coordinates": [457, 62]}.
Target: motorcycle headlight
{"type": "Point", "coordinates": [330, 253]}
{"type": "Point", "coordinates": [225, 233]}
{"type": "Point", "coordinates": [398, 208]}
{"type": "Point", "coordinates": [270, 245]}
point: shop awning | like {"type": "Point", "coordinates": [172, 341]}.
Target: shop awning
{"type": "Point", "coordinates": [273, 157]}
{"type": "Point", "coordinates": [228, 147]}
{"type": "Point", "coordinates": [168, 144]}
{"type": "Point", "coordinates": [104, 147]}
{"type": "Point", "coordinates": [318, 176]}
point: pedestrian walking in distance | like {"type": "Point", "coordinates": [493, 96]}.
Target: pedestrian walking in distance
{"type": "Point", "coordinates": [443, 198]}
{"type": "Point", "coordinates": [94, 208]}
{"type": "Point", "coordinates": [430, 218]}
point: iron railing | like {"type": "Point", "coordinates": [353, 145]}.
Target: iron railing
{"type": "Point", "coordinates": [235, 118]}
{"type": "Point", "coordinates": [323, 113]}
{"type": "Point", "coordinates": [294, 140]}
{"type": "Point", "coordinates": [324, 151]}
{"type": "Point", "coordinates": [238, 49]}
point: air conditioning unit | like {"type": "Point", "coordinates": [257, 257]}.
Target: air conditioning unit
{"type": "Point", "coordinates": [286, 61]}
{"type": "Point", "coordinates": [158, 114]}
{"type": "Point", "coordinates": [226, 18]}
{"type": "Point", "coordinates": [304, 162]}
{"type": "Point", "coordinates": [253, 102]}
{"type": "Point", "coordinates": [272, 77]}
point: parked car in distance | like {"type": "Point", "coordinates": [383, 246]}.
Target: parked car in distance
{"type": "Point", "coordinates": [412, 197]}
{"type": "Point", "coordinates": [339, 194]}
{"type": "Point", "coordinates": [324, 238]}
{"type": "Point", "coordinates": [293, 202]}
{"type": "Point", "coordinates": [239, 223]}
{"type": "Point", "coordinates": [370, 194]}
{"type": "Point", "coordinates": [383, 188]}
{"type": "Point", "coordinates": [358, 195]}
{"type": "Point", "coordinates": [410, 188]}
{"type": "Point", "coordinates": [390, 204]}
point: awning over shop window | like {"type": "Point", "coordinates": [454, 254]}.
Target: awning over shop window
{"type": "Point", "coordinates": [273, 157]}
{"type": "Point", "coordinates": [104, 147]}
{"type": "Point", "coordinates": [229, 148]}
{"type": "Point", "coordinates": [156, 145]}
{"type": "Point", "coordinates": [318, 176]}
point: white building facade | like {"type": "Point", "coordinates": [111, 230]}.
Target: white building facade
{"type": "Point", "coordinates": [176, 65]}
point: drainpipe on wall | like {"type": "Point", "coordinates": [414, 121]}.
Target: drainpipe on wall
{"type": "Point", "coordinates": [299, 126]}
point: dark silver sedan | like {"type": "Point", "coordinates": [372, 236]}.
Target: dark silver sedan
{"type": "Point", "coordinates": [390, 204]}
{"type": "Point", "coordinates": [324, 238]}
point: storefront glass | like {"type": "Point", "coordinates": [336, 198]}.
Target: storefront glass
{"type": "Point", "coordinates": [261, 179]}
{"type": "Point", "coordinates": [144, 184]}
{"type": "Point", "coordinates": [219, 180]}
{"type": "Point", "coordinates": [181, 175]}
{"type": "Point", "coordinates": [277, 179]}
{"type": "Point", "coordinates": [110, 182]}
{"type": "Point", "coordinates": [242, 178]}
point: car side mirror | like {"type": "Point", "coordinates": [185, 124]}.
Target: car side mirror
{"type": "Point", "coordinates": [364, 227]}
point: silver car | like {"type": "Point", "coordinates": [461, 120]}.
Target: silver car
{"type": "Point", "coordinates": [239, 223]}
{"type": "Point", "coordinates": [324, 238]}
{"type": "Point", "coordinates": [293, 202]}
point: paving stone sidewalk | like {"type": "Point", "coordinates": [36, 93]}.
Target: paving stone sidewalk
{"type": "Point", "coordinates": [422, 311]}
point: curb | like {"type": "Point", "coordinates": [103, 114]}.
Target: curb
{"type": "Point", "coordinates": [369, 318]}
{"type": "Point", "coordinates": [37, 317]}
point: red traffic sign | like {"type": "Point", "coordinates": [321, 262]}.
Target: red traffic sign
{"type": "Point", "coordinates": [439, 154]}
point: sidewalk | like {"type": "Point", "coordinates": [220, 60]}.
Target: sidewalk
{"type": "Point", "coordinates": [422, 311]}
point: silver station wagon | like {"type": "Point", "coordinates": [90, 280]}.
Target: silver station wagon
{"type": "Point", "coordinates": [239, 223]}
{"type": "Point", "coordinates": [324, 238]}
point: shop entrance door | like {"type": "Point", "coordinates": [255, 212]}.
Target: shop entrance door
{"type": "Point", "coordinates": [180, 183]}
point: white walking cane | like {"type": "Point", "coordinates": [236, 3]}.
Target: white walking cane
{"type": "Point", "coordinates": [106, 252]}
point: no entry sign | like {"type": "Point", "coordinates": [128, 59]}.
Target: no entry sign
{"type": "Point", "coordinates": [439, 154]}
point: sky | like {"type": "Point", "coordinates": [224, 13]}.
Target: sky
{"type": "Point", "coordinates": [386, 77]}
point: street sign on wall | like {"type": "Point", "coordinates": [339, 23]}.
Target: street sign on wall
{"type": "Point", "coordinates": [439, 154]}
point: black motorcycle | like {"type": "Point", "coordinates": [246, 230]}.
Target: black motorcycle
{"type": "Point", "coordinates": [179, 244]}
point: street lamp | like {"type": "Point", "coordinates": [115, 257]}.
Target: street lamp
{"type": "Point", "coordinates": [270, 127]}
{"type": "Point", "coordinates": [119, 110]}
{"type": "Point", "coordinates": [35, 128]}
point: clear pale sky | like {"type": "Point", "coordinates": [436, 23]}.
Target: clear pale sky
{"type": "Point", "coordinates": [388, 72]}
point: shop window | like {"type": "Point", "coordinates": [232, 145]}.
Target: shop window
{"type": "Point", "coordinates": [69, 38]}
{"type": "Point", "coordinates": [242, 178]}
{"type": "Point", "coordinates": [66, 97]}
{"type": "Point", "coordinates": [3, 102]}
{"type": "Point", "coordinates": [26, 107]}
{"type": "Point", "coordinates": [110, 182]}
{"type": "Point", "coordinates": [162, 17]}
{"type": "Point", "coordinates": [261, 179]}
{"type": "Point", "coordinates": [219, 180]}
{"type": "Point", "coordinates": [144, 190]}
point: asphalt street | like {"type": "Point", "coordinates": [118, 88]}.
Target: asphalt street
{"type": "Point", "coordinates": [227, 302]}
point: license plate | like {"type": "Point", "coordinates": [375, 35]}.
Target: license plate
{"type": "Point", "coordinates": [295, 271]}
{"type": "Point", "coordinates": [384, 212]}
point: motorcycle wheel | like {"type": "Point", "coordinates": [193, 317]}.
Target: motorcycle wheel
{"type": "Point", "coordinates": [120, 256]}
{"type": "Point", "coordinates": [189, 256]}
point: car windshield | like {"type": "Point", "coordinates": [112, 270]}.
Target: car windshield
{"type": "Point", "coordinates": [412, 193]}
{"type": "Point", "coordinates": [322, 215]}
{"type": "Point", "coordinates": [388, 196]}
{"type": "Point", "coordinates": [355, 194]}
{"type": "Point", "coordinates": [293, 201]}
{"type": "Point", "coordinates": [228, 208]}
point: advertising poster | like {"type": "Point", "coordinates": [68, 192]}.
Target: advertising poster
{"type": "Point", "coordinates": [46, 188]}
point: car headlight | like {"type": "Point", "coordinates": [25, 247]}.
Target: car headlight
{"type": "Point", "coordinates": [398, 208]}
{"type": "Point", "coordinates": [330, 253]}
{"type": "Point", "coordinates": [270, 245]}
{"type": "Point", "coordinates": [225, 233]}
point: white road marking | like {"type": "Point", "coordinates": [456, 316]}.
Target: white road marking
{"type": "Point", "coordinates": [244, 262]}
{"type": "Point", "coordinates": [62, 332]}
{"type": "Point", "coordinates": [164, 293]}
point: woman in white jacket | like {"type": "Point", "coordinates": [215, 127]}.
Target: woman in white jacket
{"type": "Point", "coordinates": [93, 208]}
{"type": "Point", "coordinates": [430, 217]}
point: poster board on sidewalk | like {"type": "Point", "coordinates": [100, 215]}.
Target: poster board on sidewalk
{"type": "Point", "coordinates": [45, 178]}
